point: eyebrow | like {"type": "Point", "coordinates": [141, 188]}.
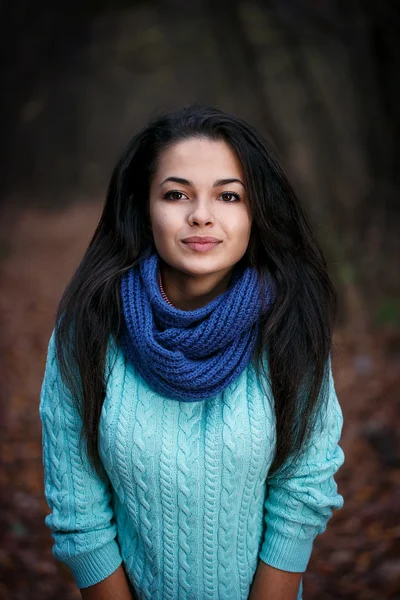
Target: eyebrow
{"type": "Point", "coordinates": [217, 183]}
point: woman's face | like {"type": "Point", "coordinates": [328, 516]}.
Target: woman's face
{"type": "Point", "coordinates": [198, 191]}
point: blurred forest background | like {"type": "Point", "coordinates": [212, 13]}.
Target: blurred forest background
{"type": "Point", "coordinates": [321, 80]}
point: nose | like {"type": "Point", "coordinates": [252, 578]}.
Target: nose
{"type": "Point", "coordinates": [201, 214]}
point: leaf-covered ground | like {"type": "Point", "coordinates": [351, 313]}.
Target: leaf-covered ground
{"type": "Point", "coordinates": [358, 557]}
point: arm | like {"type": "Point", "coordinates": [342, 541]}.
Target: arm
{"type": "Point", "coordinates": [115, 586]}
{"type": "Point", "coordinates": [81, 519]}
{"type": "Point", "coordinates": [298, 509]}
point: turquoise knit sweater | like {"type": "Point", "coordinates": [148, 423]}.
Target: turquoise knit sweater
{"type": "Point", "coordinates": [185, 500]}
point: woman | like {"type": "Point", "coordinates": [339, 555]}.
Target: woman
{"type": "Point", "coordinates": [190, 421]}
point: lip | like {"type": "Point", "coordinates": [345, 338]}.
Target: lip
{"type": "Point", "coordinates": [201, 243]}
{"type": "Point", "coordinates": [197, 239]}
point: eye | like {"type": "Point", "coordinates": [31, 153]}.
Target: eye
{"type": "Point", "coordinates": [230, 197]}
{"type": "Point", "coordinates": [173, 195]}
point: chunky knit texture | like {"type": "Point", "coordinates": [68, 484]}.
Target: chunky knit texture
{"type": "Point", "coordinates": [185, 499]}
{"type": "Point", "coordinates": [190, 355]}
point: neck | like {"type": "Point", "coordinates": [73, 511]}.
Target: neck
{"type": "Point", "coordinates": [189, 292]}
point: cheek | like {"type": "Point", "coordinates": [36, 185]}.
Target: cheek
{"type": "Point", "coordinates": [241, 226]}
{"type": "Point", "coordinates": [164, 223]}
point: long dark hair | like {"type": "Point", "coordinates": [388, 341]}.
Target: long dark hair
{"type": "Point", "coordinates": [295, 335]}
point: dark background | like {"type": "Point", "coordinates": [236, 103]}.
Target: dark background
{"type": "Point", "coordinates": [321, 80]}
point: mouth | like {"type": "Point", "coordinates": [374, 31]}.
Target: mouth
{"type": "Point", "coordinates": [199, 244]}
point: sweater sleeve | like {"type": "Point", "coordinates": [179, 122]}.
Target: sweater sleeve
{"type": "Point", "coordinates": [298, 509]}
{"type": "Point", "coordinates": [81, 519]}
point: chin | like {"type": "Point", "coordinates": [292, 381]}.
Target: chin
{"type": "Point", "coordinates": [203, 266]}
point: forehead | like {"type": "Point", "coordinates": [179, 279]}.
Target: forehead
{"type": "Point", "coordinates": [211, 159]}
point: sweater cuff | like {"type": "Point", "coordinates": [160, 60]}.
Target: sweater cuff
{"type": "Point", "coordinates": [92, 567]}
{"type": "Point", "coordinates": [286, 554]}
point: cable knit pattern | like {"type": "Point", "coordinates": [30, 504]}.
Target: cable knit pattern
{"type": "Point", "coordinates": [69, 482]}
{"type": "Point", "coordinates": [246, 523]}
{"type": "Point", "coordinates": [169, 502]}
{"type": "Point", "coordinates": [212, 495]}
{"type": "Point", "coordinates": [184, 499]}
{"type": "Point", "coordinates": [232, 414]}
{"type": "Point", "coordinates": [190, 355]}
{"type": "Point", "coordinates": [143, 431]}
{"type": "Point", "coordinates": [189, 423]}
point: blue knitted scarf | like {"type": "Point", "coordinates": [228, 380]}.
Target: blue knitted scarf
{"type": "Point", "coordinates": [190, 355]}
